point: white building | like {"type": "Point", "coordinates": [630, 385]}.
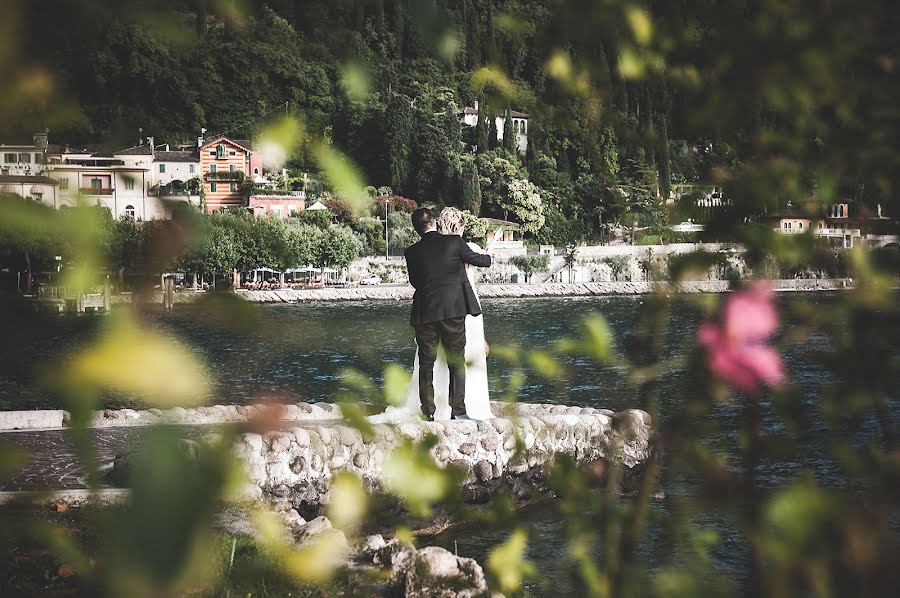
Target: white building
{"type": "Point", "coordinates": [25, 159]}
{"type": "Point", "coordinates": [138, 182]}
{"type": "Point", "coordinates": [469, 116]}
{"type": "Point", "coordinates": [104, 181]}
{"type": "Point", "coordinates": [174, 175]}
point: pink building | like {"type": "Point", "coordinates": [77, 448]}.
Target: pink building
{"type": "Point", "coordinates": [281, 206]}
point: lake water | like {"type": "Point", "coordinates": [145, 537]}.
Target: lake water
{"type": "Point", "coordinates": [297, 352]}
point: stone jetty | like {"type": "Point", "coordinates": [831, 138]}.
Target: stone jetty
{"type": "Point", "coordinates": [295, 466]}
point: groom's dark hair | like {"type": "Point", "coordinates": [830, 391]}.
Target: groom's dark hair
{"type": "Point", "coordinates": [422, 220]}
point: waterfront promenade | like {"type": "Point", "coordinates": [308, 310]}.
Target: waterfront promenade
{"type": "Point", "coordinates": [499, 291]}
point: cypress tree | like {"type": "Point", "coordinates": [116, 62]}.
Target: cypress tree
{"type": "Point", "coordinates": [399, 25]}
{"type": "Point", "coordinates": [398, 139]}
{"type": "Point", "coordinates": [483, 128]}
{"type": "Point", "coordinates": [473, 34]}
{"type": "Point", "coordinates": [509, 134]}
{"type": "Point", "coordinates": [471, 187]}
{"type": "Point", "coordinates": [490, 36]}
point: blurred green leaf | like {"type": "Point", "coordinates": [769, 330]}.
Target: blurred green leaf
{"type": "Point", "coordinates": [396, 383]}
{"type": "Point", "coordinates": [411, 473]}
{"type": "Point", "coordinates": [140, 363]}
{"type": "Point", "coordinates": [508, 565]}
{"type": "Point", "coordinates": [347, 503]}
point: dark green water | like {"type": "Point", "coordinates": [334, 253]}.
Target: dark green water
{"type": "Point", "coordinates": [297, 352]}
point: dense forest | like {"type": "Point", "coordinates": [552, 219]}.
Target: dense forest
{"type": "Point", "coordinates": [626, 100]}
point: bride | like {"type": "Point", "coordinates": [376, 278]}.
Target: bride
{"type": "Point", "coordinates": [451, 222]}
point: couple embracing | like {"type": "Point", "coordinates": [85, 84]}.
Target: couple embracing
{"type": "Point", "coordinates": [449, 378]}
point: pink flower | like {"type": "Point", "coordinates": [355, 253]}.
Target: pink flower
{"type": "Point", "coordinates": [736, 348]}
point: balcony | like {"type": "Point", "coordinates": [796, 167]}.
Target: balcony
{"type": "Point", "coordinates": [237, 175]}
{"type": "Point", "coordinates": [96, 191]}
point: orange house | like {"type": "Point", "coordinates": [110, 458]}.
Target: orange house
{"type": "Point", "coordinates": [224, 164]}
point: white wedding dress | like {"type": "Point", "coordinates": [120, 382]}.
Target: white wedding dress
{"type": "Point", "coordinates": [478, 404]}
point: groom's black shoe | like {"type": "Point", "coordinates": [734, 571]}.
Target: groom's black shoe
{"type": "Point", "coordinates": [463, 416]}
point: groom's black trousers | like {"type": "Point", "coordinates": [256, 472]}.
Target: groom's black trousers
{"type": "Point", "coordinates": [452, 335]}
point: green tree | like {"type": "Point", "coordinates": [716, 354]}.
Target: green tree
{"type": "Point", "coordinates": [336, 248]}
{"type": "Point", "coordinates": [529, 264]}
{"type": "Point", "coordinates": [471, 185]}
{"type": "Point", "coordinates": [125, 247]}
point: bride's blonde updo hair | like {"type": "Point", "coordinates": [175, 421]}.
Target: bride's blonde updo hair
{"type": "Point", "coordinates": [451, 222]}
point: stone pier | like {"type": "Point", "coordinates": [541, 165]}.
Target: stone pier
{"type": "Point", "coordinates": [295, 466]}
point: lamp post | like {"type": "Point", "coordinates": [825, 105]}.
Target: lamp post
{"type": "Point", "coordinates": [387, 247]}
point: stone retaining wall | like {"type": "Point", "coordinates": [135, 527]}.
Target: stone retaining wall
{"type": "Point", "coordinates": [295, 466]}
{"type": "Point", "coordinates": [211, 415]}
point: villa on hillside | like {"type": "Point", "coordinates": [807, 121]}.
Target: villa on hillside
{"type": "Point", "coordinates": [224, 164]}
{"type": "Point", "coordinates": [469, 116]}
{"type": "Point", "coordinates": [844, 224]}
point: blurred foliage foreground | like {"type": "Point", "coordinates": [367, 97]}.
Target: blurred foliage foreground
{"type": "Point", "coordinates": [806, 92]}
{"type": "Point", "coordinates": [800, 535]}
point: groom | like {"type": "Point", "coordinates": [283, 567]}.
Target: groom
{"type": "Point", "coordinates": [443, 298]}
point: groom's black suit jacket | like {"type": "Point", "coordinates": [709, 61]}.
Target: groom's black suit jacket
{"type": "Point", "coordinates": [436, 267]}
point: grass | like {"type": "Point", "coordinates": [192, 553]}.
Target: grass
{"type": "Point", "coordinates": [240, 566]}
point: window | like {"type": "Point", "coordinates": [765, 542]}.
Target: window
{"type": "Point", "coordinates": [129, 183]}
{"type": "Point", "coordinates": [63, 184]}
{"type": "Point", "coordinates": [799, 225]}
{"type": "Point", "coordinates": [212, 152]}
{"type": "Point", "coordinates": [96, 184]}
{"type": "Point", "coordinates": [25, 158]}
{"type": "Point", "coordinates": [39, 159]}
{"type": "Point", "coordinates": [129, 211]}
{"type": "Point", "coordinates": [192, 168]}
{"type": "Point", "coordinates": [212, 187]}
{"type": "Point", "coordinates": [232, 187]}
{"type": "Point", "coordinates": [220, 151]}
{"type": "Point", "coordinates": [212, 167]}
{"type": "Point", "coordinates": [232, 153]}
{"type": "Point", "coordinates": [256, 172]}
{"type": "Point", "coordinates": [9, 158]}
{"type": "Point", "coordinates": [162, 169]}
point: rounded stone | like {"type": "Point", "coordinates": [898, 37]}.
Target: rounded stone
{"type": "Point", "coordinates": [349, 436]}
{"type": "Point", "coordinates": [156, 412]}
{"type": "Point", "coordinates": [360, 460]}
{"type": "Point", "coordinates": [280, 442]}
{"type": "Point", "coordinates": [461, 464]}
{"type": "Point", "coordinates": [281, 491]}
{"type": "Point", "coordinates": [489, 443]}
{"type": "Point", "coordinates": [254, 441]}
{"type": "Point", "coordinates": [529, 440]}
{"type": "Point", "coordinates": [315, 462]}
{"type": "Point", "coordinates": [442, 453]}
{"type": "Point", "coordinates": [467, 448]}
{"type": "Point", "coordinates": [324, 434]}
{"type": "Point", "coordinates": [509, 443]}
{"type": "Point", "coordinates": [298, 465]}
{"type": "Point", "coordinates": [301, 436]}
{"type": "Point", "coordinates": [304, 408]}
{"type": "Point", "coordinates": [484, 471]}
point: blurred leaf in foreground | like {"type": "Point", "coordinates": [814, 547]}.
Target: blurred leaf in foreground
{"type": "Point", "coordinates": [140, 363]}
{"type": "Point", "coordinates": [412, 474]}
{"type": "Point", "coordinates": [347, 505]}
{"type": "Point", "coordinates": [508, 565]}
